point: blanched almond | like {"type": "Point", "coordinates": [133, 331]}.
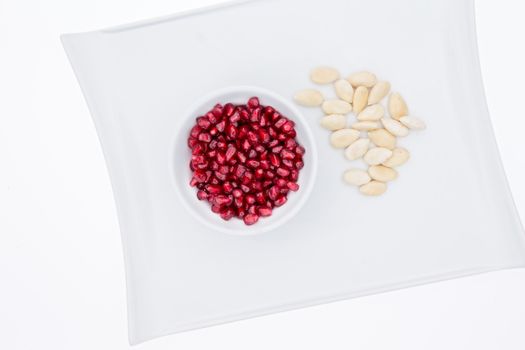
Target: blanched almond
{"type": "Point", "coordinates": [357, 149]}
{"type": "Point", "coordinates": [366, 126]}
{"type": "Point", "coordinates": [360, 99]}
{"type": "Point", "coordinates": [344, 90]}
{"type": "Point", "coordinates": [364, 78]}
{"type": "Point", "coordinates": [397, 106]}
{"type": "Point", "coordinates": [336, 107]}
{"type": "Point", "coordinates": [382, 138]}
{"type": "Point", "coordinates": [309, 98]}
{"type": "Point", "coordinates": [382, 173]}
{"type": "Point", "coordinates": [371, 113]}
{"type": "Point", "coordinates": [399, 157]}
{"type": "Point", "coordinates": [377, 155]}
{"type": "Point", "coordinates": [378, 92]}
{"type": "Point", "coordinates": [356, 177]}
{"type": "Point", "coordinates": [333, 122]}
{"type": "Point", "coordinates": [413, 123]}
{"type": "Point", "coordinates": [324, 75]}
{"type": "Point", "coordinates": [395, 127]}
{"type": "Point", "coordinates": [373, 188]}
{"type": "Point", "coordinates": [344, 137]}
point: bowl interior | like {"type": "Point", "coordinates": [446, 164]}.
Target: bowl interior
{"type": "Point", "coordinates": [182, 155]}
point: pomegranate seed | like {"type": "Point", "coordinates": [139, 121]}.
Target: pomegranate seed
{"type": "Point", "coordinates": [245, 188]}
{"type": "Point", "coordinates": [274, 159]}
{"type": "Point", "coordinates": [260, 197]}
{"type": "Point", "coordinates": [294, 174]}
{"type": "Point", "coordinates": [273, 192]}
{"type": "Point", "coordinates": [220, 126]}
{"type": "Point", "coordinates": [245, 115]}
{"type": "Point", "coordinates": [273, 143]}
{"type": "Point", "coordinates": [265, 211]}
{"type": "Point", "coordinates": [264, 120]}
{"type": "Point", "coordinates": [222, 200]}
{"type": "Point", "coordinates": [246, 145]}
{"type": "Point", "coordinates": [257, 186]}
{"type": "Point", "coordinates": [231, 131]}
{"type": "Point", "coordinates": [252, 163]}
{"type": "Point", "coordinates": [227, 187]}
{"type": "Point", "coordinates": [268, 110]}
{"type": "Point", "coordinates": [212, 154]}
{"type": "Point", "coordinates": [193, 182]}
{"type": "Point", "coordinates": [217, 110]}
{"type": "Point", "coordinates": [242, 157]}
{"type": "Point", "coordinates": [205, 137]}
{"type": "Point", "coordinates": [300, 150]}
{"type": "Point", "coordinates": [221, 158]}
{"type": "Point", "coordinates": [238, 202]}
{"type": "Point", "coordinates": [265, 165]}
{"type": "Point", "coordinates": [214, 166]}
{"type": "Point", "coordinates": [293, 186]}
{"type": "Point", "coordinates": [288, 163]}
{"type": "Point", "coordinates": [251, 219]}
{"type": "Point", "coordinates": [263, 155]}
{"type": "Point", "coordinates": [235, 117]}
{"type": "Point", "coordinates": [212, 118]}
{"type": "Point", "coordinates": [241, 213]}
{"type": "Point", "coordinates": [201, 195]}
{"type": "Point", "coordinates": [269, 174]}
{"type": "Point", "coordinates": [288, 126]}
{"type": "Point", "coordinates": [281, 183]}
{"type": "Point", "coordinates": [259, 148]}
{"type": "Point", "coordinates": [228, 109]}
{"type": "Point", "coordinates": [195, 131]}
{"type": "Point", "coordinates": [230, 152]}
{"type": "Point", "coordinates": [280, 201]}
{"type": "Point", "coordinates": [286, 154]}
{"type": "Point", "coordinates": [239, 171]}
{"type": "Point", "coordinates": [237, 193]}
{"type": "Point", "coordinates": [275, 115]}
{"type": "Point", "coordinates": [299, 165]}
{"type": "Point", "coordinates": [192, 142]}
{"type": "Point", "coordinates": [290, 144]}
{"type": "Point", "coordinates": [214, 181]}
{"type": "Point", "coordinates": [213, 144]}
{"type": "Point", "coordinates": [282, 137]}
{"type": "Point", "coordinates": [253, 102]}
{"type": "Point", "coordinates": [277, 149]}
{"type": "Point", "coordinates": [280, 122]}
{"type": "Point", "coordinates": [216, 209]}
{"type": "Point", "coordinates": [259, 173]}
{"type": "Point", "coordinates": [283, 172]}
{"type": "Point", "coordinates": [255, 115]}
{"type": "Point", "coordinates": [227, 214]}
{"type": "Point", "coordinates": [249, 199]}
{"type": "Point", "coordinates": [203, 122]}
{"type": "Point", "coordinates": [213, 189]}
{"type": "Point", "coordinates": [267, 183]}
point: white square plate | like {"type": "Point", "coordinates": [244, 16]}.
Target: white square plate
{"type": "Point", "coordinates": [450, 213]}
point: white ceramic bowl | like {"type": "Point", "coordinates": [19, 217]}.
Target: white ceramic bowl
{"type": "Point", "coordinates": [181, 157]}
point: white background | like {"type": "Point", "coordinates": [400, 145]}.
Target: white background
{"type": "Point", "coordinates": [61, 268]}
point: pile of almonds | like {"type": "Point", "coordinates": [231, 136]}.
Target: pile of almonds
{"type": "Point", "coordinates": [373, 135]}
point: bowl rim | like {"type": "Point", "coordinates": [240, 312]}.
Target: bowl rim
{"type": "Point", "coordinates": [306, 190]}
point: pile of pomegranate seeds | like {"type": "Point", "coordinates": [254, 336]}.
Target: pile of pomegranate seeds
{"type": "Point", "coordinates": [245, 160]}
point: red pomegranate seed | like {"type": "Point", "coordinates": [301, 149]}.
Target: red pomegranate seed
{"type": "Point", "coordinates": [205, 137]}
{"type": "Point", "coordinates": [245, 115]}
{"type": "Point", "coordinates": [283, 172]}
{"type": "Point", "coordinates": [288, 163]}
{"type": "Point", "coordinates": [294, 174]}
{"type": "Point", "coordinates": [217, 110]}
{"type": "Point", "coordinates": [193, 182]}
{"type": "Point", "coordinates": [201, 195]}
{"type": "Point", "coordinates": [277, 149]}
{"type": "Point", "coordinates": [246, 145]}
{"type": "Point", "coordinates": [286, 154]}
{"type": "Point", "coordinates": [192, 142]}
{"type": "Point", "coordinates": [255, 115]}
{"type": "Point", "coordinates": [280, 201]}
{"type": "Point", "coordinates": [245, 188]}
{"type": "Point", "coordinates": [252, 163]}
{"type": "Point", "coordinates": [222, 200]}
{"type": "Point", "coordinates": [273, 135]}
{"type": "Point", "coordinates": [216, 209]}
{"type": "Point", "coordinates": [241, 213]}
{"type": "Point", "coordinates": [220, 126]}
{"type": "Point", "coordinates": [265, 211]}
{"type": "Point", "coordinates": [275, 115]}
{"type": "Point", "coordinates": [300, 150]}
{"type": "Point", "coordinates": [238, 202]}
{"type": "Point", "coordinates": [231, 132]}
{"type": "Point", "coordinates": [242, 157]}
{"type": "Point", "coordinates": [293, 186]}
{"type": "Point", "coordinates": [267, 183]}
{"type": "Point", "coordinates": [230, 152]}
{"type": "Point", "coordinates": [282, 137]}
{"type": "Point", "coordinates": [259, 173]}
{"type": "Point", "coordinates": [265, 165]}
{"type": "Point", "coordinates": [237, 193]}
{"type": "Point", "coordinates": [228, 109]}
{"type": "Point", "coordinates": [273, 192]}
{"type": "Point", "coordinates": [259, 148]}
{"type": "Point", "coordinates": [264, 120]}
{"type": "Point", "coordinates": [213, 189]}
{"type": "Point", "coordinates": [227, 214]}
{"type": "Point", "coordinates": [268, 110]}
{"type": "Point", "coordinates": [221, 158]}
{"type": "Point", "coordinates": [211, 117]}
{"type": "Point", "coordinates": [257, 186]}
{"type": "Point", "coordinates": [252, 210]}
{"type": "Point", "coordinates": [213, 144]}
{"type": "Point", "coordinates": [299, 164]}
{"type": "Point", "coordinates": [281, 183]}
{"type": "Point", "coordinates": [227, 187]}
{"type": "Point", "coordinates": [290, 144]}
{"type": "Point", "coordinates": [212, 154]}
{"type": "Point", "coordinates": [260, 197]}
{"type": "Point", "coordinates": [253, 102]}
{"type": "Point", "coordinates": [249, 199]}
{"type": "Point", "coordinates": [195, 131]}
{"type": "Point", "coordinates": [203, 122]}
{"type": "Point", "coordinates": [251, 219]}
{"type": "Point", "coordinates": [280, 122]}
{"type": "Point", "coordinates": [288, 126]}
{"type": "Point", "coordinates": [269, 174]}
{"type": "Point", "coordinates": [235, 117]}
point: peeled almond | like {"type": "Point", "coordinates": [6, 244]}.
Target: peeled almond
{"type": "Point", "coordinates": [382, 173]}
{"type": "Point", "coordinates": [373, 188]}
{"type": "Point", "coordinates": [357, 149]}
{"type": "Point", "coordinates": [371, 113]}
{"type": "Point", "coordinates": [336, 107]}
{"type": "Point", "coordinates": [356, 177]}
{"type": "Point", "coordinates": [360, 99]}
{"type": "Point", "coordinates": [364, 78]}
{"type": "Point", "coordinates": [397, 106]}
{"type": "Point", "coordinates": [413, 123]}
{"type": "Point", "coordinates": [309, 98]}
{"type": "Point", "coordinates": [382, 138]}
{"type": "Point", "coordinates": [333, 122]}
{"type": "Point", "coordinates": [395, 127]}
{"type": "Point", "coordinates": [344, 90]}
{"type": "Point", "coordinates": [399, 157]}
{"type": "Point", "coordinates": [378, 92]}
{"type": "Point", "coordinates": [344, 137]}
{"type": "Point", "coordinates": [366, 126]}
{"type": "Point", "coordinates": [324, 75]}
{"type": "Point", "coordinates": [377, 155]}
